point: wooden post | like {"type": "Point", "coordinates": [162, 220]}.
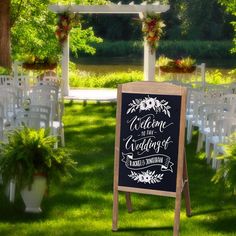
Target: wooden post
{"type": "Point", "coordinates": [177, 214]}
{"type": "Point", "coordinates": [179, 185]}
{"type": "Point", "coordinates": [116, 165]}
{"type": "Point", "coordinates": [186, 188]}
{"type": "Point", "coordinates": [65, 67]}
{"type": "Point", "coordinates": [115, 209]}
{"type": "Point", "coordinates": [128, 202]}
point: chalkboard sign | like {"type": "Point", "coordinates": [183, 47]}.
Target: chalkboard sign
{"type": "Point", "coordinates": [149, 138]}
{"type": "Point", "coordinates": [149, 149]}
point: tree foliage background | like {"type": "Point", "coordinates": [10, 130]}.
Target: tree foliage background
{"type": "Point", "coordinates": [33, 31]}
{"type": "Point", "coordinates": [186, 20]}
{"type": "Point", "coordinates": [231, 9]}
{"type": "Point", "coordinates": [33, 25]}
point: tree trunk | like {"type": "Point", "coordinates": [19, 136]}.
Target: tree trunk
{"type": "Point", "coordinates": [5, 56]}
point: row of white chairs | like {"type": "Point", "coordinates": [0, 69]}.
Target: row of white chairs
{"type": "Point", "coordinates": [213, 112]}
{"type": "Point", "coordinates": [43, 97]}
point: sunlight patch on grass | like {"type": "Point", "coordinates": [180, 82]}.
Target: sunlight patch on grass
{"type": "Point", "coordinates": [201, 155]}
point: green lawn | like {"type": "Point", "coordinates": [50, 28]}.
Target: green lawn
{"type": "Point", "coordinates": [83, 205]}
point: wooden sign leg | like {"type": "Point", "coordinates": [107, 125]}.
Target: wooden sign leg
{"type": "Point", "coordinates": [177, 213]}
{"type": "Point", "coordinates": [186, 188]}
{"type": "Point", "coordinates": [115, 210]}
{"type": "Point", "coordinates": [128, 202]}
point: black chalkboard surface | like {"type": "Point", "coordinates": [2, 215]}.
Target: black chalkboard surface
{"type": "Point", "coordinates": [149, 139]}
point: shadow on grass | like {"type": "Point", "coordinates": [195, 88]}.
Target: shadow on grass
{"type": "Point", "coordinates": [14, 213]}
{"type": "Point", "coordinates": [210, 211]}
{"type": "Point", "coordinates": [223, 224]}
{"type": "Point", "coordinates": [141, 229]}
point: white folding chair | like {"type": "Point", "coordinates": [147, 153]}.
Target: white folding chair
{"type": "Point", "coordinates": [32, 119]}
{"type": "Point", "coordinates": [194, 100]}
{"type": "Point", "coordinates": [23, 84]}
{"type": "Point", "coordinates": [58, 126]}
{"type": "Point", "coordinates": [46, 95]}
{"type": "Point", "coordinates": [8, 99]}
{"type": "Point", "coordinates": [232, 86]}
{"type": "Point", "coordinates": [4, 78]}
{"type": "Point", "coordinates": [203, 119]}
{"type": "Point", "coordinates": [221, 131]}
{"type": "Point", "coordinates": [50, 80]}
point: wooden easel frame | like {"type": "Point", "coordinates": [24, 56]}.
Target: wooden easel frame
{"type": "Point", "coordinates": [182, 183]}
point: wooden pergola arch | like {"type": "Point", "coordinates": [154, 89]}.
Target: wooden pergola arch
{"type": "Point", "coordinates": [141, 9]}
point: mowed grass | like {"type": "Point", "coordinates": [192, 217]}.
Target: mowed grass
{"type": "Point", "coordinates": [83, 205]}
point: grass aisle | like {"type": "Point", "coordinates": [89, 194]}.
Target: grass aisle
{"type": "Point", "coordinates": [83, 205]}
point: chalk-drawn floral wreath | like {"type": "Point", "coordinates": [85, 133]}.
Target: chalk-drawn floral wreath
{"type": "Point", "coordinates": [147, 177]}
{"type": "Point", "coordinates": [147, 104]}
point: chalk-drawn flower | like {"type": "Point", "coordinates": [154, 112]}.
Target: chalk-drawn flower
{"type": "Point", "coordinates": [157, 103]}
{"type": "Point", "coordinates": [147, 177]}
{"type": "Point", "coordinates": [140, 178]}
{"type": "Point", "coordinates": [143, 106]}
{"type": "Point", "coordinates": [150, 103]}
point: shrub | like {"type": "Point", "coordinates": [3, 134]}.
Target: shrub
{"type": "Point", "coordinates": [227, 171]}
{"type": "Point", "coordinates": [29, 152]}
{"type": "Point", "coordinates": [4, 71]}
{"type": "Point", "coordinates": [111, 80]}
{"type": "Point", "coordinates": [175, 49]}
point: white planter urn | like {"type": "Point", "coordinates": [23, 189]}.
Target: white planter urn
{"type": "Point", "coordinates": [33, 197]}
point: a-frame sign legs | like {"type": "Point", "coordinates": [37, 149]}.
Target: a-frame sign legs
{"type": "Point", "coordinates": [185, 190]}
{"type": "Point", "coordinates": [128, 202]}
{"type": "Point", "coordinates": [177, 214]}
{"type": "Point", "coordinates": [115, 209]}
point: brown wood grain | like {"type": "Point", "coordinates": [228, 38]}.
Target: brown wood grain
{"type": "Point", "coordinates": [5, 57]}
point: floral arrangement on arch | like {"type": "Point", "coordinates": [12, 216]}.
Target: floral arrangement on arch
{"type": "Point", "coordinates": [152, 29]}
{"type": "Point", "coordinates": [64, 26]}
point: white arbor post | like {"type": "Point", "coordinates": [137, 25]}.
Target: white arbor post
{"type": "Point", "coordinates": [149, 62]}
{"type": "Point", "coordinates": [65, 67]}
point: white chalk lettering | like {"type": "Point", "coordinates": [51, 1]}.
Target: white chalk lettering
{"type": "Point", "coordinates": [145, 144]}
{"type": "Point", "coordinates": [147, 122]}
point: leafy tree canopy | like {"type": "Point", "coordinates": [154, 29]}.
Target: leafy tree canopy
{"type": "Point", "coordinates": [33, 30]}
{"type": "Point", "coordinates": [231, 8]}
